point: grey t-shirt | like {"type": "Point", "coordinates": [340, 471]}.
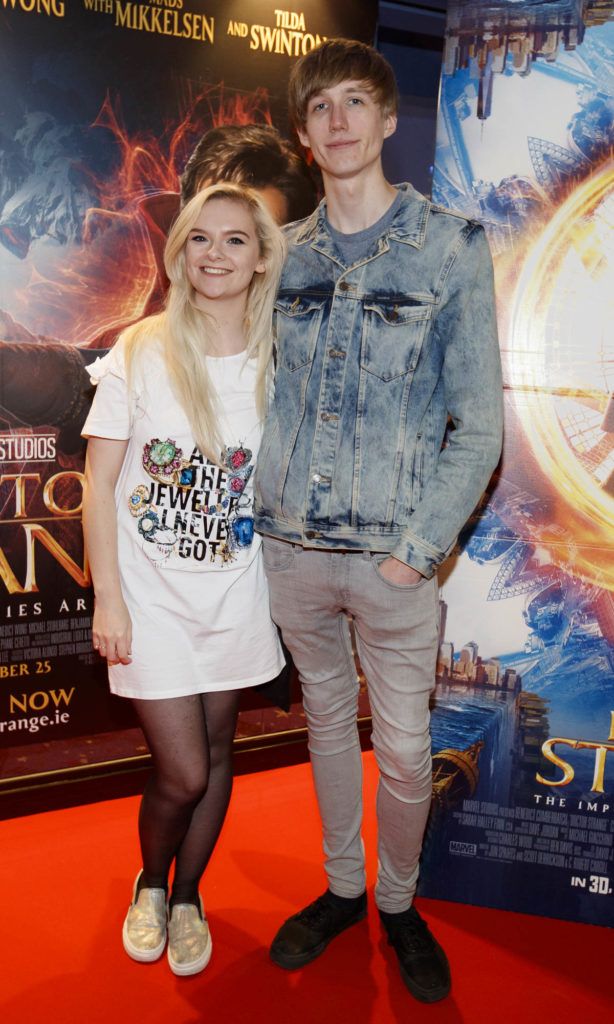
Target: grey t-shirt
{"type": "Point", "coordinates": [359, 244]}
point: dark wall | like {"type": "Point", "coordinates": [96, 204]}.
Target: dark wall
{"type": "Point", "coordinates": [410, 36]}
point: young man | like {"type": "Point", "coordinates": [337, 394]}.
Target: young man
{"type": "Point", "coordinates": [386, 334]}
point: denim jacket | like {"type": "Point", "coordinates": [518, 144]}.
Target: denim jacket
{"type": "Point", "coordinates": [373, 363]}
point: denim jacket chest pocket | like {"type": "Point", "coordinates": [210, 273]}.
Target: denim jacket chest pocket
{"type": "Point", "coordinates": [297, 325]}
{"type": "Point", "coordinates": [392, 336]}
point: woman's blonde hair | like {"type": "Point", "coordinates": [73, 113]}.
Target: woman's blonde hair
{"type": "Point", "coordinates": [184, 331]}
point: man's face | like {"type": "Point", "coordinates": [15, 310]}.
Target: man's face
{"type": "Point", "coordinates": [345, 129]}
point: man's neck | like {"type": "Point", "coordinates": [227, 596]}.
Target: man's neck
{"type": "Point", "coordinates": [354, 204]}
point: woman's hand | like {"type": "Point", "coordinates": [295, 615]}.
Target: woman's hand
{"type": "Point", "coordinates": [111, 628]}
{"type": "Point", "coordinates": [112, 632]}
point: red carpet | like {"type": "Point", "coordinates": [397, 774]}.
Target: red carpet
{"type": "Point", "coordinates": [66, 881]}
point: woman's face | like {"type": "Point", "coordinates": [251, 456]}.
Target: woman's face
{"type": "Point", "coordinates": [222, 254]}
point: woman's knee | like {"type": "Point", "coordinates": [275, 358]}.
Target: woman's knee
{"type": "Point", "coordinates": [183, 789]}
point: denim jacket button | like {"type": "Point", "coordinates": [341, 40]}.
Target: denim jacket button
{"type": "Point", "coordinates": [343, 286]}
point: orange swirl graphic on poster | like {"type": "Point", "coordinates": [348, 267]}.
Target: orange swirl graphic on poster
{"type": "Point", "coordinates": [561, 341]}
{"type": "Point", "coordinates": [103, 282]}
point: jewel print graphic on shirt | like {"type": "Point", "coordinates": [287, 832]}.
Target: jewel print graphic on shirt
{"type": "Point", "coordinates": [240, 522]}
{"type": "Point", "coordinates": [163, 460]}
{"type": "Point", "coordinates": [193, 509]}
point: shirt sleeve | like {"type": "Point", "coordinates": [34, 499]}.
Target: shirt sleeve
{"type": "Point", "coordinates": [109, 415]}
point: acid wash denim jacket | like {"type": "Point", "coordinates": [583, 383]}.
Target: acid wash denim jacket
{"type": "Point", "coordinates": [373, 363]}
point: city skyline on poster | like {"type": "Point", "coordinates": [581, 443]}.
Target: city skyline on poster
{"type": "Point", "coordinates": [556, 492]}
{"type": "Point", "coordinates": [524, 145]}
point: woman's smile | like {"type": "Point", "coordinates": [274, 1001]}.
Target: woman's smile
{"type": "Point", "coordinates": [222, 253]}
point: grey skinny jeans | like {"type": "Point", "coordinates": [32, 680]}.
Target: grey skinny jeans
{"type": "Point", "coordinates": [397, 633]}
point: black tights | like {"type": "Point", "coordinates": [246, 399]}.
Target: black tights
{"type": "Point", "coordinates": [187, 796]}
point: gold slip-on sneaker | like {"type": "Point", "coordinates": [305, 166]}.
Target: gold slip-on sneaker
{"type": "Point", "coordinates": [144, 931]}
{"type": "Point", "coordinates": [189, 939]}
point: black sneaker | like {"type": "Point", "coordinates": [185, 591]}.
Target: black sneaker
{"type": "Point", "coordinates": [305, 935]}
{"type": "Point", "coordinates": [423, 963]}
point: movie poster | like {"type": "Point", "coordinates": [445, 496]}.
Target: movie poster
{"type": "Point", "coordinates": [523, 725]}
{"type": "Point", "coordinates": [101, 104]}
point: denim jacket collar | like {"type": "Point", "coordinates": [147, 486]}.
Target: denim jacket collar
{"type": "Point", "coordinates": [408, 224]}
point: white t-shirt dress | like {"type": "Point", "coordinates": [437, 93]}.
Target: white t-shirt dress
{"type": "Point", "coordinates": [190, 562]}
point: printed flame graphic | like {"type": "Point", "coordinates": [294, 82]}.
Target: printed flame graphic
{"type": "Point", "coordinates": [104, 283]}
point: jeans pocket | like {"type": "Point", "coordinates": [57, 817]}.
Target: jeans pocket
{"type": "Point", "coordinates": [277, 554]}
{"type": "Point", "coordinates": [376, 561]}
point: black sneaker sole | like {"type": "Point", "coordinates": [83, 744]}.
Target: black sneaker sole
{"type": "Point", "coordinates": [292, 961]}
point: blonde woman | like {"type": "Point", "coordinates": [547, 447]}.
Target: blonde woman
{"type": "Point", "coordinates": [182, 613]}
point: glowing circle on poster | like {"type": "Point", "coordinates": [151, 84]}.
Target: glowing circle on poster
{"type": "Point", "coordinates": [561, 339]}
